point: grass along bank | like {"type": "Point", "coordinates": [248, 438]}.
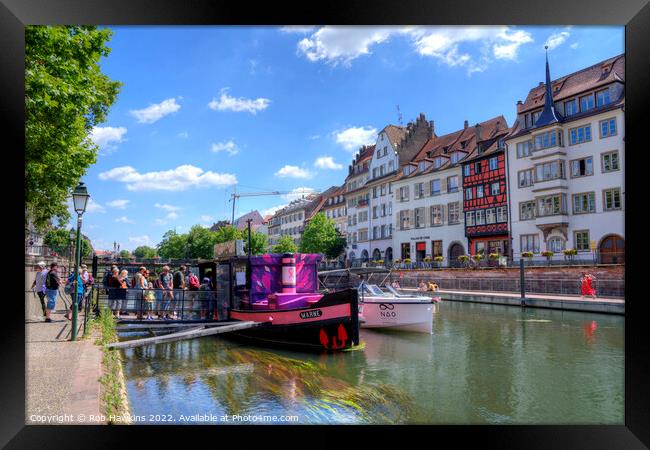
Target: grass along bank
{"type": "Point", "coordinates": [114, 401]}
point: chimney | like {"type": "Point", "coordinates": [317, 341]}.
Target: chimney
{"type": "Point", "coordinates": [466, 125]}
{"type": "Point", "coordinates": [432, 129]}
{"type": "Point", "coordinates": [477, 132]}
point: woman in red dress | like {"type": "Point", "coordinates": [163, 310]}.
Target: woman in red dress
{"type": "Point", "coordinates": [587, 285]}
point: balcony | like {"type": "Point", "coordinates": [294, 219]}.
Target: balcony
{"type": "Point", "coordinates": [362, 203]}
{"type": "Point", "coordinates": [557, 219]}
{"type": "Point", "coordinates": [558, 183]}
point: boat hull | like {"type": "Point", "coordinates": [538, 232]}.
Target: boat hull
{"type": "Point", "coordinates": [331, 324]}
{"type": "Point", "coordinates": [404, 316]}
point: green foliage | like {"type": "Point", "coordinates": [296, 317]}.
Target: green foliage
{"type": "Point", "coordinates": [321, 236]}
{"type": "Point", "coordinates": [259, 242]}
{"type": "Point", "coordinates": [199, 242]}
{"type": "Point", "coordinates": [66, 95]}
{"type": "Point", "coordinates": [463, 258]}
{"type": "Point", "coordinates": [145, 252]}
{"type": "Point", "coordinates": [547, 253]}
{"type": "Point", "coordinates": [570, 252]}
{"type": "Point", "coordinates": [438, 259]}
{"type": "Point", "coordinates": [172, 245]}
{"type": "Point", "coordinates": [285, 245]}
{"type": "Point", "coordinates": [478, 257]}
{"type": "Point", "coordinates": [125, 254]}
{"type": "Point", "coordinates": [527, 254]}
{"type": "Point", "coordinates": [58, 239]}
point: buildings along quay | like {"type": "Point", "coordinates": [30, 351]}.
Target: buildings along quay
{"type": "Point", "coordinates": [548, 185]}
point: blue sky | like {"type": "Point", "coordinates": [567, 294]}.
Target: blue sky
{"type": "Point", "coordinates": [204, 109]}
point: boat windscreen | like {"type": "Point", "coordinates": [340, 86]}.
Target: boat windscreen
{"type": "Point", "coordinates": [373, 289]}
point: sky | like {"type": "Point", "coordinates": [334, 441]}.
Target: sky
{"type": "Point", "coordinates": [205, 110]}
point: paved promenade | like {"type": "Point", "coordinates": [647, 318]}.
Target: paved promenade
{"type": "Point", "coordinates": [62, 384]}
{"type": "Point", "coordinates": [553, 301]}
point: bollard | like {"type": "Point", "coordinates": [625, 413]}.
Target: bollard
{"type": "Point", "coordinates": [522, 281]}
{"type": "Point", "coordinates": [288, 273]}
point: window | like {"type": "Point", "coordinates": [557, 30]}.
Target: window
{"type": "Point", "coordinates": [457, 156]}
{"type": "Point", "coordinates": [581, 239]}
{"type": "Point", "coordinates": [477, 167]}
{"type": "Point", "coordinates": [374, 172]}
{"type": "Point", "coordinates": [390, 188]}
{"type": "Point", "coordinates": [480, 217]}
{"type": "Point", "coordinates": [525, 177]}
{"type": "Point", "coordinates": [602, 98]}
{"type": "Point", "coordinates": [479, 191]}
{"type": "Point", "coordinates": [529, 243]}
{"type": "Point", "coordinates": [436, 246]}
{"type": "Point", "coordinates": [584, 203]}
{"type": "Point", "coordinates": [570, 107]}
{"type": "Point", "coordinates": [502, 214]}
{"type": "Point", "coordinates": [551, 205]}
{"type": "Point", "coordinates": [524, 149]}
{"type": "Point", "coordinates": [374, 212]}
{"type": "Point", "coordinates": [494, 189]}
{"type": "Point", "coordinates": [586, 103]}
{"type": "Point", "coordinates": [390, 230]}
{"type": "Point", "coordinates": [382, 190]}
{"type": "Point", "coordinates": [404, 194]}
{"type": "Point", "coordinates": [363, 216]}
{"type": "Point", "coordinates": [535, 116]}
{"type": "Point", "coordinates": [419, 217]}
{"type": "Point", "coordinates": [375, 232]}
{"type": "Point", "coordinates": [453, 212]}
{"type": "Point", "coordinates": [556, 244]}
{"type": "Point", "coordinates": [381, 170]}
{"type": "Point", "coordinates": [466, 171]}
{"type": "Point", "coordinates": [469, 218]}
{"type": "Point", "coordinates": [610, 161]}
{"type": "Point", "coordinates": [436, 215]}
{"type": "Point", "coordinates": [549, 171]}
{"type": "Point", "coordinates": [494, 163]}
{"type": "Point", "coordinates": [437, 162]}
{"type": "Point", "coordinates": [374, 192]}
{"type": "Point", "coordinates": [383, 231]}
{"type": "Point", "coordinates": [418, 191]}
{"type": "Point", "coordinates": [390, 166]}
{"type": "Point", "coordinates": [579, 135]}
{"type": "Point", "coordinates": [452, 183]}
{"type": "Point", "coordinates": [404, 219]}
{"type": "Point", "coordinates": [607, 127]}
{"type": "Point", "coordinates": [612, 199]}
{"type": "Point", "coordinates": [383, 210]}
{"type": "Point", "coordinates": [468, 194]}
{"type": "Point", "coordinates": [490, 216]}
{"type": "Point", "coordinates": [547, 140]}
{"type": "Point", "coordinates": [479, 247]}
{"type": "Point", "coordinates": [435, 187]}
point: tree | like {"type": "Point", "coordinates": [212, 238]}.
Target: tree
{"type": "Point", "coordinates": [58, 239]}
{"type": "Point", "coordinates": [321, 236]}
{"type": "Point", "coordinates": [124, 254]}
{"type": "Point", "coordinates": [285, 245]}
{"type": "Point", "coordinates": [259, 242]}
{"type": "Point", "coordinates": [66, 95]}
{"type": "Point", "coordinates": [145, 252]}
{"type": "Point", "coordinates": [336, 247]}
{"type": "Point", "coordinates": [200, 242]}
{"type": "Point", "coordinates": [173, 245]}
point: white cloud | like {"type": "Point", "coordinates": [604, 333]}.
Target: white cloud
{"type": "Point", "coordinates": [178, 179]}
{"type": "Point", "coordinates": [118, 204]}
{"type": "Point", "coordinates": [229, 147]}
{"type": "Point", "coordinates": [343, 44]}
{"type": "Point", "coordinates": [93, 206]}
{"type": "Point", "coordinates": [167, 207]}
{"type": "Point", "coordinates": [557, 39]}
{"type": "Point", "coordinates": [106, 138]}
{"type": "Point", "coordinates": [172, 216]}
{"type": "Point", "coordinates": [227, 103]}
{"type": "Point", "coordinates": [183, 135]}
{"type": "Point", "coordinates": [156, 111]}
{"type": "Point", "coordinates": [293, 172]}
{"type": "Point", "coordinates": [327, 162]}
{"type": "Point", "coordinates": [140, 240]}
{"type": "Point", "coordinates": [159, 222]}
{"type": "Point", "coordinates": [297, 28]}
{"type": "Point", "coordinates": [124, 219]}
{"type": "Point", "coordinates": [271, 211]}
{"type": "Point", "coordinates": [574, 45]}
{"type": "Point", "coordinates": [314, 137]}
{"type": "Point", "coordinates": [298, 193]}
{"type": "Point", "coordinates": [354, 137]}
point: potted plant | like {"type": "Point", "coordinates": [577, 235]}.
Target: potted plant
{"type": "Point", "coordinates": [478, 258]}
{"type": "Point", "coordinates": [569, 254]}
{"type": "Point", "coordinates": [407, 261]}
{"type": "Point", "coordinates": [527, 255]}
{"type": "Point", "coordinates": [464, 259]}
{"type": "Point", "coordinates": [493, 256]}
{"type": "Point", "coordinates": [438, 260]}
{"type": "Point", "coordinates": [548, 255]}
{"type": "Point", "coordinates": [379, 262]}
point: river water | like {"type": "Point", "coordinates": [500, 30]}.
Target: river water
{"type": "Point", "coordinates": [484, 364]}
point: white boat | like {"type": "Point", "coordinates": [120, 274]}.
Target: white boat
{"type": "Point", "coordinates": [395, 311]}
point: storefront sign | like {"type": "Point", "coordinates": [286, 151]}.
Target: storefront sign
{"type": "Point", "coordinates": [420, 238]}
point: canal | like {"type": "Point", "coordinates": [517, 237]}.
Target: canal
{"type": "Point", "coordinates": [484, 364]}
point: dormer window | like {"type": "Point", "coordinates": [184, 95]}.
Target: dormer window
{"type": "Point", "coordinates": [602, 98]}
{"type": "Point", "coordinates": [456, 156]}
{"type": "Point", "coordinates": [535, 116]}
{"type": "Point", "coordinates": [437, 162]}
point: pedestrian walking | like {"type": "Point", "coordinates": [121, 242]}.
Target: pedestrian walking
{"type": "Point", "coordinates": [166, 280]}
{"type": "Point", "coordinates": [38, 285]}
{"type": "Point", "coordinates": [52, 283]}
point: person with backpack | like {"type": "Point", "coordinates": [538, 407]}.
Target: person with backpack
{"type": "Point", "coordinates": [52, 283]}
{"type": "Point", "coordinates": [38, 285]}
{"type": "Point", "coordinates": [114, 292]}
{"type": "Point", "coordinates": [192, 286]}
{"type": "Point", "coordinates": [70, 288]}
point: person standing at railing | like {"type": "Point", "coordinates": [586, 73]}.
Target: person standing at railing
{"type": "Point", "coordinates": [113, 287]}
{"type": "Point", "coordinates": [139, 285]}
{"type": "Point", "coordinates": [52, 283]}
{"type": "Point", "coordinates": [78, 286]}
{"type": "Point", "coordinates": [166, 279]}
{"type": "Point", "coordinates": [123, 291]}
{"type": "Point", "coordinates": [148, 295]}
{"type": "Point", "coordinates": [179, 287]}
{"type": "Point", "coordinates": [158, 289]}
{"type": "Point", "coordinates": [38, 285]}
{"type": "Point", "coordinates": [205, 297]}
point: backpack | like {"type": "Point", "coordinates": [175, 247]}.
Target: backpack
{"type": "Point", "coordinates": [49, 283]}
{"type": "Point", "coordinates": [194, 282]}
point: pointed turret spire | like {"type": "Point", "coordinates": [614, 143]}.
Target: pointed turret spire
{"type": "Point", "coordinates": [549, 115]}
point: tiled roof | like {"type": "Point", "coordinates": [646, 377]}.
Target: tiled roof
{"type": "Point", "coordinates": [600, 74]}
{"type": "Point", "coordinates": [446, 144]}
{"type": "Point", "coordinates": [395, 133]}
{"type": "Point", "coordinates": [254, 215]}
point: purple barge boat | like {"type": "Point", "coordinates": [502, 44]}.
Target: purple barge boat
{"type": "Point", "coordinates": [281, 291]}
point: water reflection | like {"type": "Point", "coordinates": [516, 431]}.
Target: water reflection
{"type": "Point", "coordinates": [483, 364]}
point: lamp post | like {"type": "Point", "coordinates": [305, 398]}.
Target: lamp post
{"type": "Point", "coordinates": [73, 236]}
{"type": "Point", "coordinates": [80, 198]}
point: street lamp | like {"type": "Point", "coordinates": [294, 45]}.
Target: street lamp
{"type": "Point", "coordinates": [80, 198]}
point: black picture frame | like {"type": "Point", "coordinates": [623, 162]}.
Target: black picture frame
{"type": "Point", "coordinates": [634, 14]}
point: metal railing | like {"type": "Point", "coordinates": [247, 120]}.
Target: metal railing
{"type": "Point", "coordinates": [163, 304]}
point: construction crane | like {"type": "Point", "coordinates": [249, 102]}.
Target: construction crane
{"type": "Point", "coordinates": [234, 196]}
